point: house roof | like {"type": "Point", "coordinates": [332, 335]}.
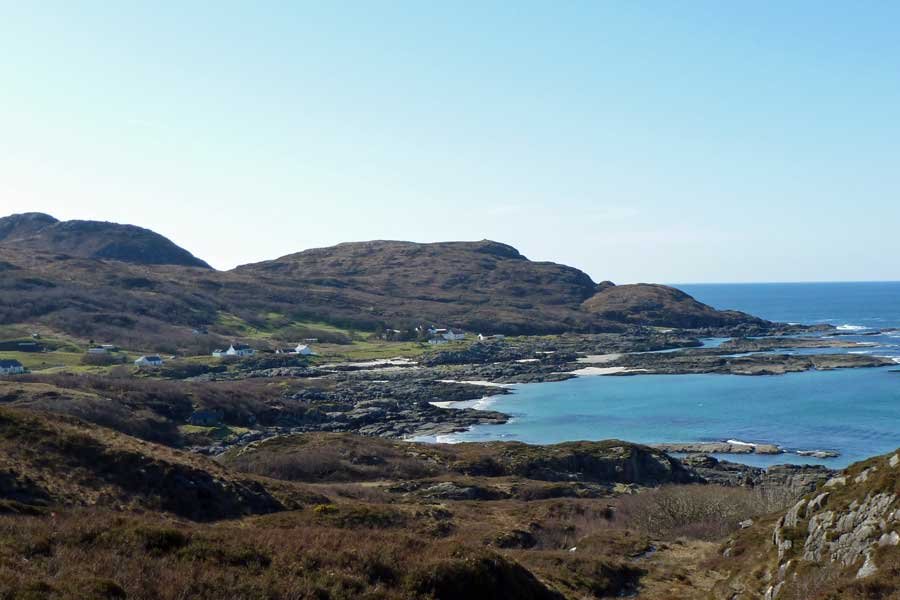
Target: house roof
{"type": "Point", "coordinates": [151, 358]}
{"type": "Point", "coordinates": [6, 364]}
{"type": "Point", "coordinates": [241, 347]}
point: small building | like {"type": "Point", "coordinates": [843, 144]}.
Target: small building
{"type": "Point", "coordinates": [438, 341]}
{"type": "Point", "coordinates": [206, 418]}
{"type": "Point", "coordinates": [219, 353]}
{"type": "Point", "coordinates": [110, 347]}
{"type": "Point", "coordinates": [97, 350]}
{"type": "Point", "coordinates": [151, 361]}
{"type": "Point", "coordinates": [484, 338]}
{"type": "Point", "coordinates": [11, 367]}
{"type": "Point", "coordinates": [240, 350]}
{"type": "Point", "coordinates": [301, 349]}
{"type": "Point", "coordinates": [451, 335]}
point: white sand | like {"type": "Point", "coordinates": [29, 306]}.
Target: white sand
{"type": "Point", "coordinates": [596, 359]}
{"type": "Point", "coordinates": [590, 371]}
{"type": "Point", "coordinates": [482, 383]}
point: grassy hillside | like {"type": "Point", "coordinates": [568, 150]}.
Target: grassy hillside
{"type": "Point", "coordinates": [89, 513]}
{"type": "Point", "coordinates": [50, 461]}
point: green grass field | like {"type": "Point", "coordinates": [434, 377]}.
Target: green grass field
{"type": "Point", "coordinates": [36, 361]}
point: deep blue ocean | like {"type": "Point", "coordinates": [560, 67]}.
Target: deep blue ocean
{"type": "Point", "coordinates": [853, 411]}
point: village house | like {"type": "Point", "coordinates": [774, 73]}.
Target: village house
{"type": "Point", "coordinates": [151, 361]}
{"type": "Point", "coordinates": [301, 349]}
{"type": "Point", "coordinates": [235, 350]}
{"type": "Point", "coordinates": [450, 335]}
{"type": "Point", "coordinates": [103, 349]}
{"type": "Point", "coordinates": [484, 338]}
{"type": "Point", "coordinates": [11, 367]}
{"type": "Point", "coordinates": [240, 350]}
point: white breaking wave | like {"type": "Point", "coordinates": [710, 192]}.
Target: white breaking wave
{"type": "Point", "coordinates": [848, 327]}
{"type": "Point", "coordinates": [739, 443]}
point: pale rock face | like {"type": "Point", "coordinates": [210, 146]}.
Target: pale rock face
{"type": "Point", "coordinates": [793, 515]}
{"type": "Point", "coordinates": [868, 567]}
{"type": "Point", "coordinates": [864, 476]}
{"type": "Point", "coordinates": [817, 503]}
{"type": "Point", "coordinates": [773, 591]}
{"type": "Point", "coordinates": [836, 481]}
{"type": "Point", "coordinates": [895, 460]}
{"type": "Point", "coordinates": [845, 536]}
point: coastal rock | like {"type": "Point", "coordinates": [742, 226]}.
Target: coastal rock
{"type": "Point", "coordinates": [718, 448]}
{"type": "Point", "coordinates": [795, 480]}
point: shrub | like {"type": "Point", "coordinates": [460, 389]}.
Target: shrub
{"type": "Point", "coordinates": [706, 512]}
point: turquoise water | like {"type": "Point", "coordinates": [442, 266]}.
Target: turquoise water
{"type": "Point", "coordinates": [855, 411]}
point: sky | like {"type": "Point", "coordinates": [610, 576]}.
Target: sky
{"type": "Point", "coordinates": [638, 141]}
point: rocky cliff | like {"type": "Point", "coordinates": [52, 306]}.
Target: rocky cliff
{"type": "Point", "coordinates": [839, 541]}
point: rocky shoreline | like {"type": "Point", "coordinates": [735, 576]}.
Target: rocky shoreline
{"type": "Point", "coordinates": [402, 398]}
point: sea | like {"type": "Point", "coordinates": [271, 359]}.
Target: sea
{"type": "Point", "coordinates": [855, 412]}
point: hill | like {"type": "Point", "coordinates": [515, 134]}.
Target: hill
{"type": "Point", "coordinates": [660, 305]}
{"type": "Point", "coordinates": [38, 232]}
{"type": "Point", "coordinates": [840, 541]}
{"type": "Point", "coordinates": [131, 286]}
{"type": "Point", "coordinates": [477, 285]}
{"type": "Point", "coordinates": [52, 460]}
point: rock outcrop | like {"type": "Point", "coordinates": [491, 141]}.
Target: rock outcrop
{"type": "Point", "coordinates": [840, 538]}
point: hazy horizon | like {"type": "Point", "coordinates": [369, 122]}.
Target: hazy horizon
{"type": "Point", "coordinates": [638, 142]}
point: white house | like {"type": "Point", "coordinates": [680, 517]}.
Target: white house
{"type": "Point", "coordinates": [97, 350]}
{"type": "Point", "coordinates": [149, 361]}
{"type": "Point", "coordinates": [235, 350]}
{"type": "Point", "coordinates": [240, 350]}
{"type": "Point", "coordinates": [484, 338]}
{"type": "Point", "coordinates": [437, 341]}
{"type": "Point", "coordinates": [301, 349]}
{"type": "Point", "coordinates": [11, 367]}
{"type": "Point", "coordinates": [451, 335]}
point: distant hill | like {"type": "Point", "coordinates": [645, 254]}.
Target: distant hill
{"type": "Point", "coordinates": [93, 239]}
{"type": "Point", "coordinates": [476, 285]}
{"type": "Point", "coordinates": [660, 305]}
{"type": "Point", "coordinates": [131, 286]}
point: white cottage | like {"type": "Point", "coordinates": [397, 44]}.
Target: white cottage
{"type": "Point", "coordinates": [236, 350]}
{"type": "Point", "coordinates": [149, 361]}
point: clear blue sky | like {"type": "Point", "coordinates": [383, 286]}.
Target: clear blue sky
{"type": "Point", "coordinates": [640, 141]}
